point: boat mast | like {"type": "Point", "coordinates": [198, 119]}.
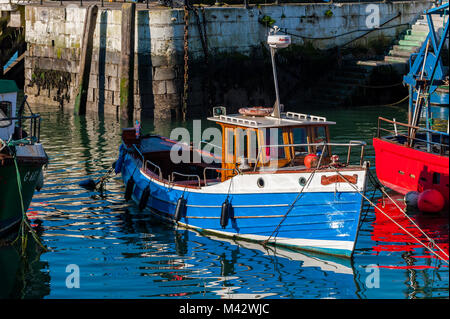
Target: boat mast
{"type": "Point", "coordinates": [276, 42]}
{"type": "Point", "coordinates": [276, 109]}
{"type": "Point", "coordinates": [425, 75]}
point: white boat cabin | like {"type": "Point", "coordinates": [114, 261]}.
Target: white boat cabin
{"type": "Point", "coordinates": [8, 101]}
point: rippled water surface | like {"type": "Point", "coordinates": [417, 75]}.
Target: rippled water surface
{"type": "Point", "coordinates": [122, 253]}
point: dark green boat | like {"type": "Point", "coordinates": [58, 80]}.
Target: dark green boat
{"type": "Point", "coordinates": [21, 152]}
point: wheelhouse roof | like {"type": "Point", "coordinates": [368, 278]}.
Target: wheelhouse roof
{"type": "Point", "coordinates": [286, 119]}
{"type": "Point", "coordinates": [8, 86]}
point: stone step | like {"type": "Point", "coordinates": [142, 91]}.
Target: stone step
{"type": "Point", "coordinates": [407, 48]}
{"type": "Point", "coordinates": [416, 32]}
{"type": "Point", "coordinates": [396, 59]}
{"type": "Point", "coordinates": [357, 65]}
{"type": "Point", "coordinates": [436, 19]}
{"type": "Point", "coordinates": [420, 27]}
{"type": "Point", "coordinates": [424, 27]}
{"type": "Point", "coordinates": [410, 43]}
{"type": "Point", "coordinates": [400, 53]}
{"type": "Point", "coordinates": [415, 37]}
{"type": "Point", "coordinates": [369, 64]}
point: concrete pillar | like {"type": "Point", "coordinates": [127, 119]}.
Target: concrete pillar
{"type": "Point", "coordinates": [85, 60]}
{"type": "Point", "coordinates": [126, 68]}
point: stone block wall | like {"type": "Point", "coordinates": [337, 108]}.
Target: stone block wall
{"type": "Point", "coordinates": [54, 37]}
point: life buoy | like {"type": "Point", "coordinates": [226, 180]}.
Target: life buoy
{"type": "Point", "coordinates": [256, 111]}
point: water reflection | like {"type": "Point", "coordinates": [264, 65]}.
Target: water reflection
{"type": "Point", "coordinates": [405, 266]}
{"type": "Point", "coordinates": [204, 266]}
{"type": "Point", "coordinates": [23, 278]}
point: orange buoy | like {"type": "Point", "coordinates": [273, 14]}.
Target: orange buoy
{"type": "Point", "coordinates": [430, 201]}
{"type": "Point", "coordinates": [310, 160]}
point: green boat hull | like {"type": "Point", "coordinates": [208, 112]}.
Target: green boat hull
{"type": "Point", "coordinates": [10, 203]}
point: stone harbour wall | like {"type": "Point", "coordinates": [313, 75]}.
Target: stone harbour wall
{"type": "Point", "coordinates": [54, 35]}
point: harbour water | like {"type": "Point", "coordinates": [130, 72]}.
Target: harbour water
{"type": "Point", "coordinates": [121, 253]}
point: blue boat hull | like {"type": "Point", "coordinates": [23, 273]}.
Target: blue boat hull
{"type": "Point", "coordinates": [324, 222]}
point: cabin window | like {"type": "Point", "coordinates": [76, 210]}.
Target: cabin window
{"type": "Point", "coordinates": [273, 136]}
{"type": "Point", "coordinates": [299, 135]}
{"type": "Point", "coordinates": [241, 144]}
{"type": "Point", "coordinates": [5, 113]}
{"type": "Point", "coordinates": [252, 143]}
{"type": "Point", "coordinates": [229, 145]}
{"type": "Point", "coordinates": [319, 136]}
{"type": "Point", "coordinates": [246, 145]}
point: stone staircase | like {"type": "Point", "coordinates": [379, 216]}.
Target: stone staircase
{"type": "Point", "coordinates": [338, 88]}
{"type": "Point", "coordinates": [413, 39]}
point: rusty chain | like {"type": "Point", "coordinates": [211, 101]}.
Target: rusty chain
{"type": "Point", "coordinates": [186, 62]}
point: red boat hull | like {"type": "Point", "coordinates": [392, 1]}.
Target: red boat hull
{"type": "Point", "coordinates": [404, 169]}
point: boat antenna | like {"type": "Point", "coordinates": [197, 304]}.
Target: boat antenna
{"type": "Point", "coordinates": [276, 41]}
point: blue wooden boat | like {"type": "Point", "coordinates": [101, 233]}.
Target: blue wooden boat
{"type": "Point", "coordinates": [279, 202]}
{"type": "Point", "coordinates": [276, 179]}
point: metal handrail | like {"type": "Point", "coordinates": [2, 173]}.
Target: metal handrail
{"type": "Point", "coordinates": [410, 126]}
{"type": "Point", "coordinates": [154, 165]}
{"type": "Point", "coordinates": [144, 162]}
{"type": "Point", "coordinates": [185, 175]}
{"type": "Point", "coordinates": [362, 144]}
{"type": "Point", "coordinates": [35, 124]}
{"type": "Point", "coordinates": [415, 138]}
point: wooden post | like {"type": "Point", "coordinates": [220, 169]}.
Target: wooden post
{"type": "Point", "coordinates": [126, 68]}
{"type": "Point", "coordinates": [85, 60]}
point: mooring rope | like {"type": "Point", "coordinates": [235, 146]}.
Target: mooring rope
{"type": "Point", "coordinates": [409, 218]}
{"type": "Point", "coordinates": [391, 104]}
{"type": "Point", "coordinates": [381, 188]}
{"type": "Point", "coordinates": [24, 223]}
{"type": "Point", "coordinates": [401, 227]}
